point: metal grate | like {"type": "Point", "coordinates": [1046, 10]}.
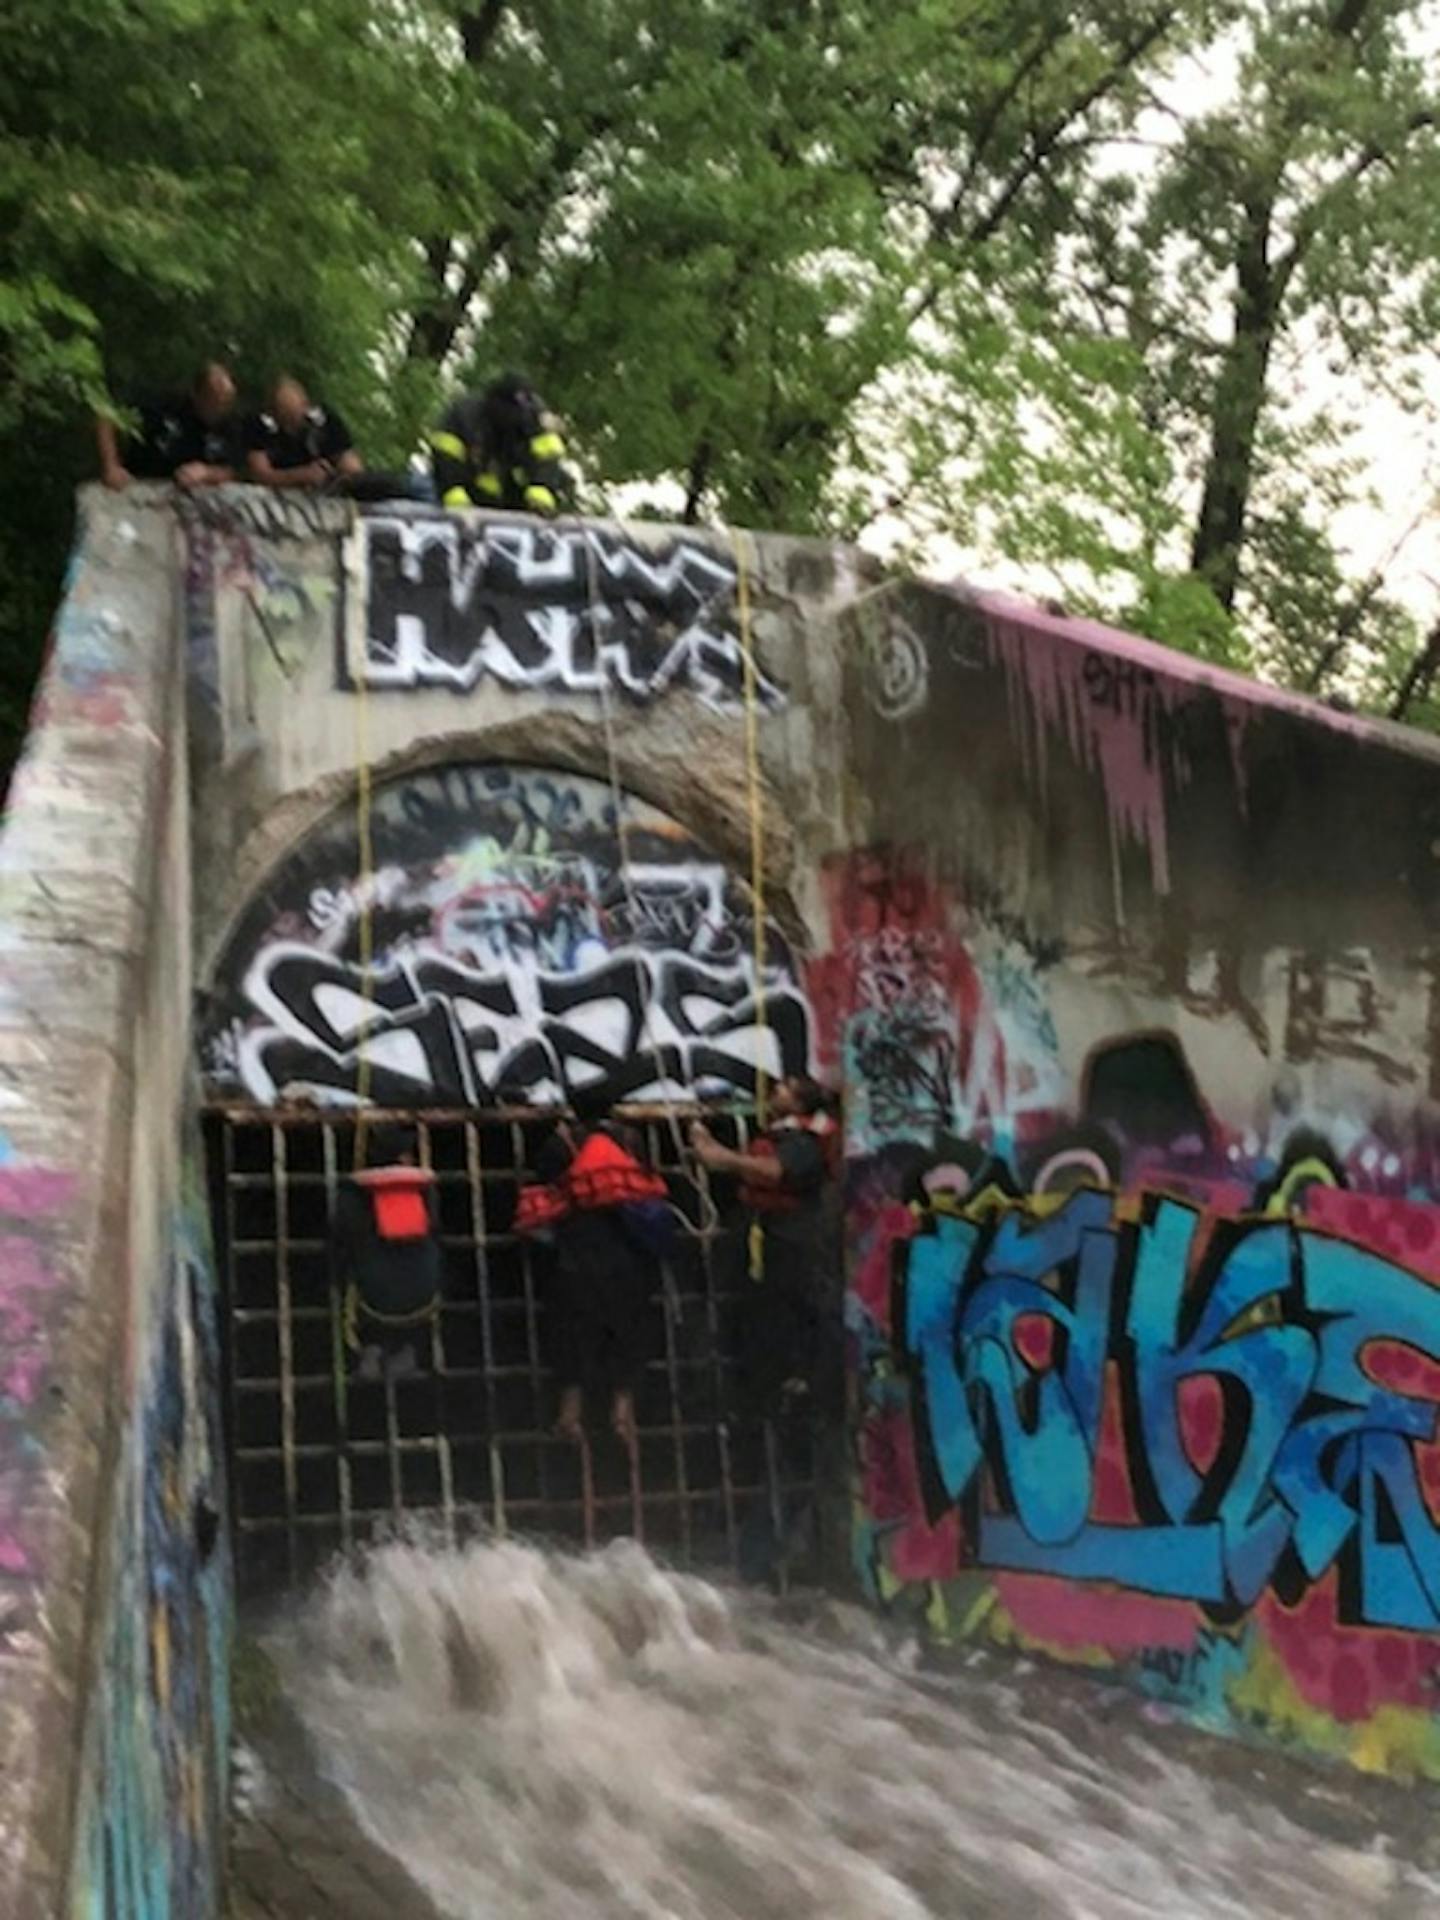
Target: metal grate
{"type": "Point", "coordinates": [322, 1463]}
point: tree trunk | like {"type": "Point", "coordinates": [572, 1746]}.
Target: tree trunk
{"type": "Point", "coordinates": [1420, 676]}
{"type": "Point", "coordinates": [697, 481]}
{"type": "Point", "coordinates": [1239, 402]}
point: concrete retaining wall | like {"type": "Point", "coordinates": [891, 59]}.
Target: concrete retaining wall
{"type": "Point", "coordinates": [1127, 968]}
{"type": "Point", "coordinates": [112, 1578]}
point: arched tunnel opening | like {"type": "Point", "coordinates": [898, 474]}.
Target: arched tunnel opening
{"type": "Point", "coordinates": [323, 1463]}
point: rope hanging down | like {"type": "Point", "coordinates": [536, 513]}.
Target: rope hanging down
{"type": "Point", "coordinates": [755, 801]}
{"type": "Point", "coordinates": [709, 1215]}
{"type": "Point", "coordinates": [365, 888]}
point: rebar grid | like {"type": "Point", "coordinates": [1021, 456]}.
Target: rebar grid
{"type": "Point", "coordinates": [322, 1463]}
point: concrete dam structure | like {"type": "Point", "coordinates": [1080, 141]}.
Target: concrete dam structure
{"type": "Point", "coordinates": [1127, 971]}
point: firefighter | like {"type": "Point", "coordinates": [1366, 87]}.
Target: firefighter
{"type": "Point", "coordinates": [500, 448]}
{"type": "Point", "coordinates": [609, 1218]}
{"type": "Point", "coordinates": [387, 1247]}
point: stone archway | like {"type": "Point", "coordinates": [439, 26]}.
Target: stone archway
{"type": "Point", "coordinates": [512, 963]}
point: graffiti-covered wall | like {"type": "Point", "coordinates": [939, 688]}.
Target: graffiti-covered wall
{"type": "Point", "coordinates": [151, 1821]}
{"type": "Point", "coordinates": [113, 1567]}
{"type": "Point", "coordinates": [1127, 969]}
{"type": "Point", "coordinates": [1134, 997]}
{"type": "Point", "coordinates": [515, 957]}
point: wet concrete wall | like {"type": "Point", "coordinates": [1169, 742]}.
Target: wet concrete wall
{"type": "Point", "coordinates": [113, 1591]}
{"type": "Point", "coordinates": [1132, 986]}
{"type": "Point", "coordinates": [1126, 968]}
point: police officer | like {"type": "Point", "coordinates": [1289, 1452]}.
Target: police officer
{"type": "Point", "coordinates": [297, 442]}
{"type": "Point", "coordinates": [500, 448]}
{"type": "Point", "coordinates": [192, 438]}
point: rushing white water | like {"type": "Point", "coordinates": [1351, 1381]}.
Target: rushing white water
{"type": "Point", "coordinates": [537, 1737]}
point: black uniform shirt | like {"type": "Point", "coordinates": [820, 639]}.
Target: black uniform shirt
{"type": "Point", "coordinates": [323, 435]}
{"type": "Point", "coordinates": [172, 434]}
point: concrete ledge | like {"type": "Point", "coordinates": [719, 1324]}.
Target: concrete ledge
{"type": "Point", "coordinates": [78, 857]}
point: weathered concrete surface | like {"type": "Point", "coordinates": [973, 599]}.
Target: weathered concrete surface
{"type": "Point", "coordinates": [1057, 908]}
{"type": "Point", "coordinates": [94, 992]}
{"type": "Point", "coordinates": [78, 861]}
{"type": "Point", "coordinates": [1060, 909]}
{"type": "Point", "coordinates": [279, 627]}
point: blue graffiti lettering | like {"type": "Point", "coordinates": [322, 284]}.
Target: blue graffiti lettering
{"type": "Point", "coordinates": [1315, 1466]}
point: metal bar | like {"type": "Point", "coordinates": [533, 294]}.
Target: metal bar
{"type": "Point", "coordinates": [532, 1332]}
{"type": "Point", "coordinates": [438, 1367]}
{"type": "Point", "coordinates": [717, 1368]}
{"type": "Point", "coordinates": [602, 1503]}
{"type": "Point", "coordinates": [392, 1446]}
{"type": "Point", "coordinates": [474, 1168]}
{"type": "Point", "coordinates": [338, 1282]}
{"type": "Point", "coordinates": [249, 1113]}
{"type": "Point", "coordinates": [587, 1489]}
{"type": "Point", "coordinates": [672, 1372]}
{"type": "Point", "coordinates": [228, 1161]}
{"type": "Point", "coordinates": [286, 1336]}
{"type": "Point", "coordinates": [777, 1507]}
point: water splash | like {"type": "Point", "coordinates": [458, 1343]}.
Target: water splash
{"type": "Point", "coordinates": [538, 1737]}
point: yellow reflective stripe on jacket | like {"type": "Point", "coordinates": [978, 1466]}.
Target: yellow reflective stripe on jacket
{"type": "Point", "coordinates": [540, 499]}
{"type": "Point", "coordinates": [456, 497]}
{"type": "Point", "coordinates": [547, 446]}
{"type": "Point", "coordinates": [450, 443]}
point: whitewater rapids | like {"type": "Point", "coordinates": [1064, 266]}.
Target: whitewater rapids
{"type": "Point", "coordinates": [534, 1736]}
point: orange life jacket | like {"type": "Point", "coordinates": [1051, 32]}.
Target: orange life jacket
{"type": "Point", "coordinates": [603, 1173]}
{"type": "Point", "coordinates": [398, 1199]}
{"type": "Point", "coordinates": [759, 1196]}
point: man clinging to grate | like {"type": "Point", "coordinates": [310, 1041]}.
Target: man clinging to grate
{"type": "Point", "coordinates": [387, 1253]}
{"type": "Point", "coordinates": [608, 1217]}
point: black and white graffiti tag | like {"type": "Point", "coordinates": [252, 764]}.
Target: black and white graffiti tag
{"type": "Point", "coordinates": [451, 604]}
{"type": "Point", "coordinates": [899, 669]}
{"type": "Point", "coordinates": [513, 964]}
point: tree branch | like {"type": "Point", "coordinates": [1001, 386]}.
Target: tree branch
{"type": "Point", "coordinates": [1308, 224]}
{"type": "Point", "coordinates": [988, 224]}
{"type": "Point", "coordinates": [478, 29]}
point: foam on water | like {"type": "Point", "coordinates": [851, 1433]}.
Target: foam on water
{"type": "Point", "coordinates": [539, 1737]}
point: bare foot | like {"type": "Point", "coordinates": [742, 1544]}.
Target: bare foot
{"type": "Point", "coordinates": [622, 1417]}
{"type": "Point", "coordinates": [569, 1423]}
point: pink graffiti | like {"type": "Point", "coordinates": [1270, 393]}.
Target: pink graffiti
{"type": "Point", "coordinates": [34, 1193]}
{"type": "Point", "coordinates": [890, 1486]}
{"type": "Point", "coordinates": [1044, 656]}
{"type": "Point", "coordinates": [1343, 1672]}
{"type": "Point", "coordinates": [1065, 1615]}
{"type": "Point", "coordinates": [25, 1278]}
{"type": "Point", "coordinates": [1044, 659]}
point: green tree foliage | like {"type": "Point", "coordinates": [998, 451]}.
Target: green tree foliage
{"type": "Point", "coordinates": [180, 178]}
{"type": "Point", "coordinates": [1178, 447]}
{"type": "Point", "coordinates": [975, 265]}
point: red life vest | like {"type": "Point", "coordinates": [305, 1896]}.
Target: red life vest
{"type": "Point", "coordinates": [603, 1173]}
{"type": "Point", "coordinates": [398, 1199]}
{"type": "Point", "coordinates": [759, 1196]}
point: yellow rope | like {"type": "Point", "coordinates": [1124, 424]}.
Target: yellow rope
{"type": "Point", "coordinates": [756, 800]}
{"type": "Point", "coordinates": [364, 880]}
{"type": "Point", "coordinates": [755, 793]}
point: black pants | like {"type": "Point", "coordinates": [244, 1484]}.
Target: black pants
{"type": "Point", "coordinates": [780, 1334]}
{"type": "Point", "coordinates": [599, 1325]}
{"type": "Point", "coordinates": [391, 1336]}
